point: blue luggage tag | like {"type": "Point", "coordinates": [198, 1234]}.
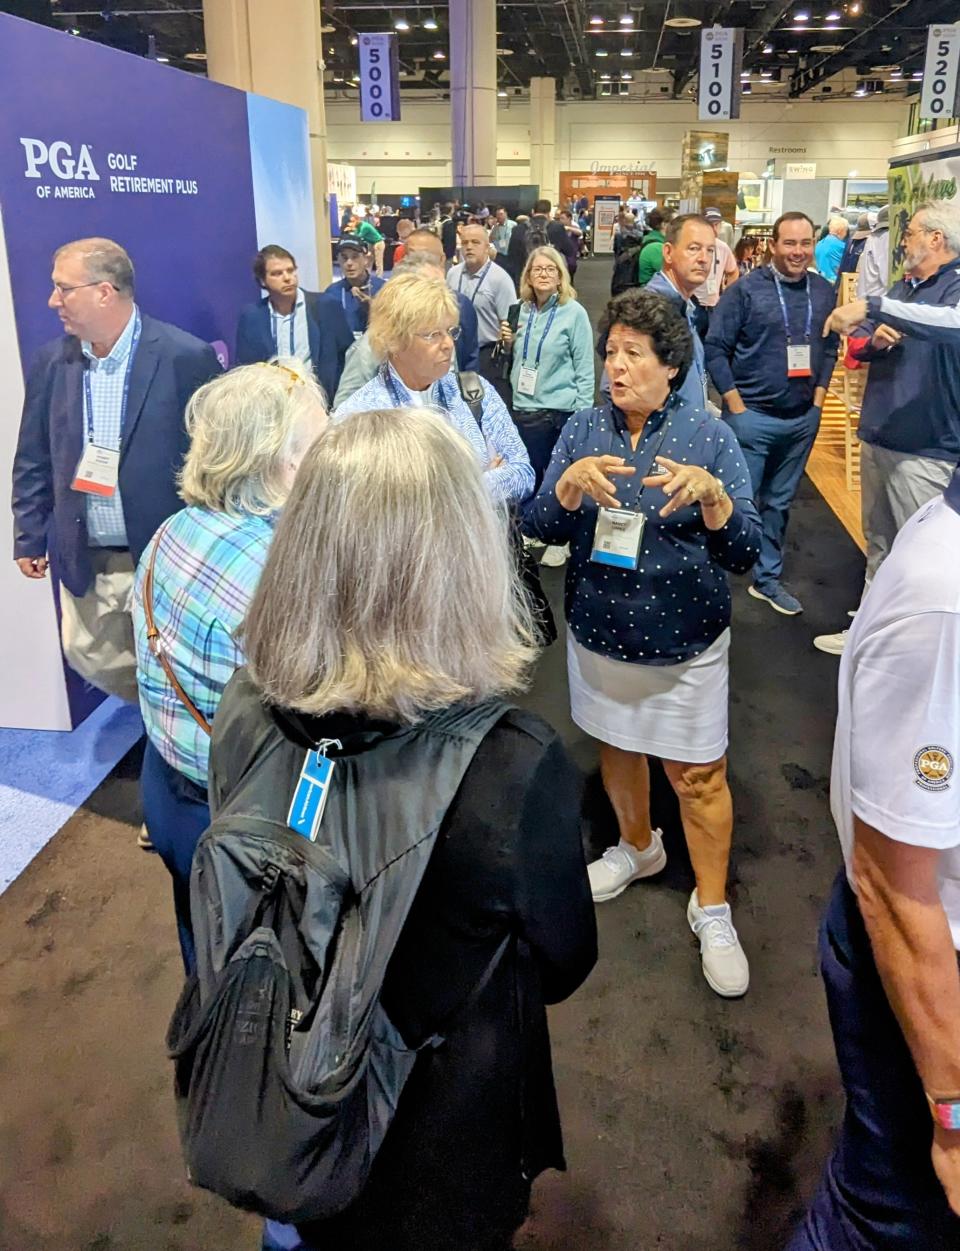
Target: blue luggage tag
{"type": "Point", "coordinates": [313, 787]}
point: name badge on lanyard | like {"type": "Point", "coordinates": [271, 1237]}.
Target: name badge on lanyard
{"type": "Point", "coordinates": [527, 377]}
{"type": "Point", "coordinates": [617, 537]}
{"type": "Point", "coordinates": [98, 470]}
{"type": "Point", "coordinates": [798, 354]}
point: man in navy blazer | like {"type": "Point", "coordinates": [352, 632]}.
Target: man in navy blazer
{"type": "Point", "coordinates": [102, 439]}
{"type": "Point", "coordinates": [293, 322]}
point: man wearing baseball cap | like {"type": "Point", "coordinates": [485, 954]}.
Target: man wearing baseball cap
{"type": "Point", "coordinates": [358, 286]}
{"type": "Point", "coordinates": [724, 270]}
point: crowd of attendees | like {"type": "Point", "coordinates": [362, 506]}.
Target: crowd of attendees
{"type": "Point", "coordinates": [335, 538]}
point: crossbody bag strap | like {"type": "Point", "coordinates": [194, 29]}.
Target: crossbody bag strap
{"type": "Point", "coordinates": [156, 646]}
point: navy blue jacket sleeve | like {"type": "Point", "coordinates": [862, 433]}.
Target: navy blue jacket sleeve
{"type": "Point", "coordinates": [249, 347]}
{"type": "Point", "coordinates": [468, 345]}
{"type": "Point", "coordinates": [940, 323]}
{"type": "Point", "coordinates": [725, 324]}
{"type": "Point", "coordinates": [736, 546]}
{"type": "Point", "coordinates": [32, 468]}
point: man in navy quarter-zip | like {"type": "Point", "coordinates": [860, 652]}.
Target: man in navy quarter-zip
{"type": "Point", "coordinates": [768, 358]}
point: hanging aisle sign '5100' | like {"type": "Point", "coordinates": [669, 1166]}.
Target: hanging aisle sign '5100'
{"type": "Point", "coordinates": [721, 56]}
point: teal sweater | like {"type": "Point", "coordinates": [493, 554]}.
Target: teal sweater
{"type": "Point", "coordinates": [565, 378]}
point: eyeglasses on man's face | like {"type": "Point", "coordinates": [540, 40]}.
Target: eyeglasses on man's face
{"type": "Point", "coordinates": [544, 271]}
{"type": "Point", "coordinates": [433, 337]}
{"type": "Point", "coordinates": [63, 290]}
{"type": "Point", "coordinates": [918, 230]}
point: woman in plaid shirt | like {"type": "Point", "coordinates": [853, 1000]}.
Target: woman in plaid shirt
{"type": "Point", "coordinates": [249, 430]}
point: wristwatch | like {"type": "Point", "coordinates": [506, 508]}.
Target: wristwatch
{"type": "Point", "coordinates": [946, 1112]}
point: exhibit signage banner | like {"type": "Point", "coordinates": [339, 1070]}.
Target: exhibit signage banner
{"type": "Point", "coordinates": [940, 93]}
{"type": "Point", "coordinates": [721, 58]}
{"type": "Point", "coordinates": [605, 211]}
{"type": "Point", "coordinates": [912, 181]}
{"type": "Point", "coordinates": [379, 78]}
{"type": "Point", "coordinates": [191, 177]}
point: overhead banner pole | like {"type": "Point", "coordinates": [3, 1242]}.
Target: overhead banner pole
{"type": "Point", "coordinates": [721, 58]}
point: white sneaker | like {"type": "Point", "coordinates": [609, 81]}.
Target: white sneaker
{"type": "Point", "coordinates": [619, 866]}
{"type": "Point", "coordinates": [554, 557]}
{"type": "Point", "coordinates": [724, 964]}
{"type": "Point", "coordinates": [833, 644]}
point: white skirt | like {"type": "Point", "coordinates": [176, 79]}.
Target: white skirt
{"type": "Point", "coordinates": [675, 712]}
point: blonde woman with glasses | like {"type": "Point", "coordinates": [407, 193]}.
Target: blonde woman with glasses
{"type": "Point", "coordinates": [414, 327]}
{"type": "Point", "coordinates": [552, 371]}
{"type": "Point", "coordinates": [249, 430]}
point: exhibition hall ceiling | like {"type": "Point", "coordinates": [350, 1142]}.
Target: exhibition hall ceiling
{"type": "Point", "coordinates": [799, 46]}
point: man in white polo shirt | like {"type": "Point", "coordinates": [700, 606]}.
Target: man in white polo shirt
{"type": "Point", "coordinates": [889, 941]}
{"type": "Point", "coordinates": [490, 290]}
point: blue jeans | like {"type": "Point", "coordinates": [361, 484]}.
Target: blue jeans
{"type": "Point", "coordinates": [776, 451]}
{"type": "Point", "coordinates": [175, 812]}
{"type": "Point", "coordinates": [878, 1191]}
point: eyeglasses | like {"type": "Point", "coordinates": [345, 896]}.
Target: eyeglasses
{"type": "Point", "coordinates": [61, 290]}
{"type": "Point", "coordinates": [433, 337]}
{"type": "Point", "coordinates": [544, 271]}
{"type": "Point", "coordinates": [919, 230]}
{"type": "Point", "coordinates": [295, 378]}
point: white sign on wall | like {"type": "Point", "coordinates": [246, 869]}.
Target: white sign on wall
{"type": "Point", "coordinates": [379, 78]}
{"type": "Point", "coordinates": [939, 95]}
{"type": "Point", "coordinates": [800, 169]}
{"type": "Point", "coordinates": [721, 56]}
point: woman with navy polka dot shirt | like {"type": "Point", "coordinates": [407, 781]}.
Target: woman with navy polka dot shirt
{"type": "Point", "coordinates": [648, 634]}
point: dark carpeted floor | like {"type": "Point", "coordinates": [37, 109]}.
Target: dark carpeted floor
{"type": "Point", "coordinates": [690, 1121]}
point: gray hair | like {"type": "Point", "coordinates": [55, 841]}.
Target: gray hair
{"type": "Point", "coordinates": [419, 263]}
{"type": "Point", "coordinates": [390, 588]}
{"type": "Point", "coordinates": [942, 215]}
{"type": "Point", "coordinates": [838, 226]}
{"type": "Point", "coordinates": [104, 261]}
{"type": "Point", "coordinates": [245, 427]}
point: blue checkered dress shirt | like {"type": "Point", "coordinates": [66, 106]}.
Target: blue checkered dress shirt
{"type": "Point", "coordinates": [105, 524]}
{"type": "Point", "coordinates": [207, 569]}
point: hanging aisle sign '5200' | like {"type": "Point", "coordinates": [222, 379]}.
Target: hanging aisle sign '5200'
{"type": "Point", "coordinates": [721, 56]}
{"type": "Point", "coordinates": [940, 96]}
{"type": "Point", "coordinates": [379, 78]}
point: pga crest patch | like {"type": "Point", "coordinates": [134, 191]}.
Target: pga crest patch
{"type": "Point", "coordinates": [933, 767]}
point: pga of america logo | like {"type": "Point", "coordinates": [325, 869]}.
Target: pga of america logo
{"type": "Point", "coordinates": [58, 159]}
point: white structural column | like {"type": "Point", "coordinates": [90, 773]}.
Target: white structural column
{"type": "Point", "coordinates": [543, 137]}
{"type": "Point", "coordinates": [473, 92]}
{"type": "Point", "coordinates": [276, 50]}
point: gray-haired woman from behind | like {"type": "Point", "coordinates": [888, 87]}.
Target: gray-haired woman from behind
{"type": "Point", "coordinates": [390, 593]}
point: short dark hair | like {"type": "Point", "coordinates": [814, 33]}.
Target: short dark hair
{"type": "Point", "coordinates": [655, 316]}
{"type": "Point", "coordinates": [542, 206]}
{"type": "Point", "coordinates": [655, 219]}
{"type": "Point", "coordinates": [676, 225]}
{"type": "Point", "coordinates": [272, 252]}
{"type": "Point", "coordinates": [795, 216]}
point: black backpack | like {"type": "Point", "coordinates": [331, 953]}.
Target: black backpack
{"type": "Point", "coordinates": [288, 1069]}
{"type": "Point", "coordinates": [626, 270]}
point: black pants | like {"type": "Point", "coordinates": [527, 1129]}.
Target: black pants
{"type": "Point", "coordinates": [539, 428]}
{"type": "Point", "coordinates": [490, 370]}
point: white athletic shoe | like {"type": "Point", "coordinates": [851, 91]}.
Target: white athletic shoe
{"type": "Point", "coordinates": [554, 557]}
{"type": "Point", "coordinates": [724, 964]}
{"type": "Point", "coordinates": [619, 866]}
{"type": "Point", "coordinates": [833, 644]}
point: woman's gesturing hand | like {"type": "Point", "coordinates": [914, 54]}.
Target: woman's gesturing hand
{"type": "Point", "coordinates": [691, 484]}
{"type": "Point", "coordinates": [593, 476]}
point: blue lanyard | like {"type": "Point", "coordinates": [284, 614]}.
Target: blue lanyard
{"type": "Point", "coordinates": [476, 289]}
{"type": "Point", "coordinates": [526, 337]}
{"type": "Point", "coordinates": [88, 388]}
{"type": "Point", "coordinates": [402, 400]}
{"type": "Point", "coordinates": [274, 319]}
{"type": "Point", "coordinates": [638, 477]}
{"type": "Point", "coordinates": [783, 309]}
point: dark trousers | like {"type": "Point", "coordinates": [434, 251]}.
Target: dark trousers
{"type": "Point", "coordinates": [539, 428]}
{"type": "Point", "coordinates": [776, 450]}
{"type": "Point", "coordinates": [175, 812]}
{"type": "Point", "coordinates": [878, 1191]}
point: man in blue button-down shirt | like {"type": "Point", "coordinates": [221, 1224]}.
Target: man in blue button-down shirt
{"type": "Point", "coordinates": [114, 389]}
{"type": "Point", "coordinates": [688, 250]}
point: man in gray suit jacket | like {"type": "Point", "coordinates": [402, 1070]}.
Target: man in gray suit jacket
{"type": "Point", "coordinates": [102, 438]}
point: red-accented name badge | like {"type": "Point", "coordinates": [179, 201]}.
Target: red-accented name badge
{"type": "Point", "coordinates": [798, 360]}
{"type": "Point", "coordinates": [97, 471]}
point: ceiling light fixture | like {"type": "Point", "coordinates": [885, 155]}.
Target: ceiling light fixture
{"type": "Point", "coordinates": [163, 60]}
{"type": "Point", "coordinates": [917, 74]}
{"type": "Point", "coordinates": [792, 51]}
{"type": "Point", "coordinates": [626, 19]}
{"type": "Point", "coordinates": [195, 56]}
{"type": "Point", "coordinates": [354, 40]}
{"type": "Point", "coordinates": [801, 17]}
{"type": "Point", "coordinates": [626, 52]}
{"type": "Point", "coordinates": [602, 52]}
{"type": "Point", "coordinates": [439, 55]}
{"type": "Point", "coordinates": [766, 73]}
{"type": "Point", "coordinates": [833, 16]}
{"type": "Point", "coordinates": [854, 9]}
{"type": "Point", "coordinates": [401, 24]}
{"type": "Point", "coordinates": [896, 74]}
{"type": "Point", "coordinates": [767, 48]}
{"type": "Point", "coordinates": [596, 21]}
{"type": "Point", "coordinates": [501, 94]}
{"type": "Point", "coordinates": [627, 78]}
{"type": "Point", "coordinates": [605, 78]}
{"type": "Point", "coordinates": [430, 24]}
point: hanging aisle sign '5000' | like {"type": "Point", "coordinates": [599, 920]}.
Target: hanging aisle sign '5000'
{"type": "Point", "coordinates": [379, 78]}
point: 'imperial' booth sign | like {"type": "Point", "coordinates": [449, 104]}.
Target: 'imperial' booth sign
{"type": "Point", "coordinates": [379, 78]}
